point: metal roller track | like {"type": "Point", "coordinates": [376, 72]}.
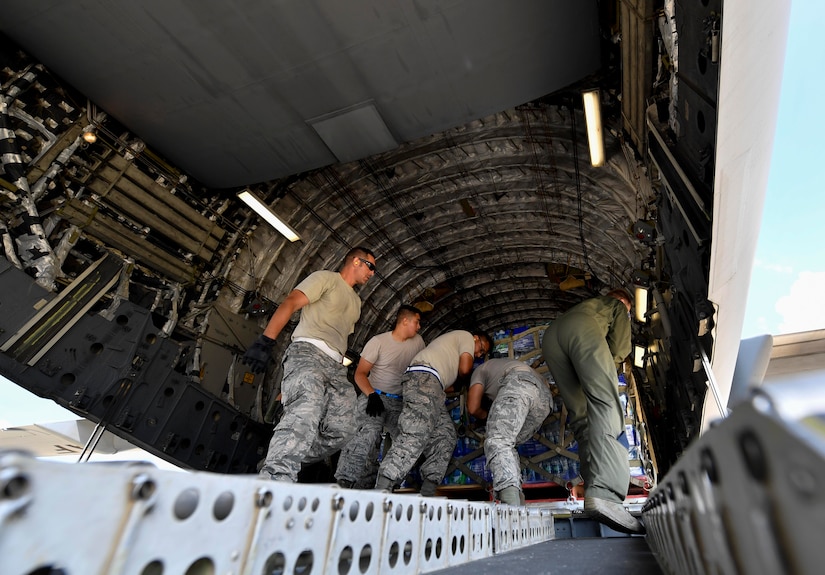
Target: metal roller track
{"type": "Point", "coordinates": [747, 496]}
{"type": "Point", "coordinates": [135, 519]}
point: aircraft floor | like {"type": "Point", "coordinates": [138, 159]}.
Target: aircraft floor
{"type": "Point", "coordinates": [579, 556]}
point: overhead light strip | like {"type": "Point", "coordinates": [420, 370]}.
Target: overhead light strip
{"type": "Point", "coordinates": [593, 117]}
{"type": "Point", "coordinates": [260, 208]}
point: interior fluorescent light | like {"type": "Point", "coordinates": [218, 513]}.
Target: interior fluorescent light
{"type": "Point", "coordinates": [639, 356]}
{"type": "Point", "coordinates": [593, 117]}
{"type": "Point", "coordinates": [640, 303]}
{"type": "Point", "coordinates": [263, 210]}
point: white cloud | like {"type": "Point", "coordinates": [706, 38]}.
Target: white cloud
{"type": "Point", "coordinates": [776, 268]}
{"type": "Point", "coordinates": [763, 325]}
{"type": "Point", "coordinates": [802, 309]}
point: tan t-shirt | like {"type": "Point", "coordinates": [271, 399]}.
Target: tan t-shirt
{"type": "Point", "coordinates": [389, 359]}
{"type": "Point", "coordinates": [333, 309]}
{"type": "Point", "coordinates": [490, 374]}
{"type": "Point", "coordinates": [444, 352]}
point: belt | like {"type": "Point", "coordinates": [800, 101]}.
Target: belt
{"type": "Point", "coordinates": [390, 395]}
{"type": "Point", "coordinates": [519, 368]}
{"type": "Point", "coordinates": [526, 370]}
{"type": "Point", "coordinates": [427, 369]}
{"type": "Point", "coordinates": [322, 346]}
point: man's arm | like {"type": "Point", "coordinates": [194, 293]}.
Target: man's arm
{"type": "Point", "coordinates": [618, 338]}
{"type": "Point", "coordinates": [257, 355]}
{"type": "Point", "coordinates": [465, 364]}
{"type": "Point", "coordinates": [465, 367]}
{"type": "Point", "coordinates": [292, 303]}
{"type": "Point", "coordinates": [375, 406]}
{"type": "Point", "coordinates": [474, 401]}
{"type": "Point", "coordinates": [362, 376]}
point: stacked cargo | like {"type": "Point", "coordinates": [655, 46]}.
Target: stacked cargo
{"type": "Point", "coordinates": [550, 457]}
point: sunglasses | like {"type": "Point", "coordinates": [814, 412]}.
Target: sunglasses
{"type": "Point", "coordinates": [369, 264]}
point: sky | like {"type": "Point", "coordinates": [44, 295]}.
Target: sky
{"type": "Point", "coordinates": [788, 280]}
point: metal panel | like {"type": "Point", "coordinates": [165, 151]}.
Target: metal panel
{"type": "Point", "coordinates": [746, 496]}
{"type": "Point", "coordinates": [120, 237]}
{"type": "Point", "coordinates": [123, 373]}
{"type": "Point", "coordinates": [21, 301]}
{"type": "Point", "coordinates": [138, 189]}
{"type": "Point", "coordinates": [227, 335]}
{"type": "Point", "coordinates": [135, 519]}
{"type": "Point", "coordinates": [480, 538]}
{"type": "Point", "coordinates": [699, 42]}
{"type": "Point", "coordinates": [36, 337]}
{"type": "Point", "coordinates": [636, 21]}
{"type": "Point", "coordinates": [227, 90]}
{"type": "Point", "coordinates": [434, 518]}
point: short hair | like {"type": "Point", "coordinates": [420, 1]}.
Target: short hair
{"type": "Point", "coordinates": [357, 252]}
{"type": "Point", "coordinates": [406, 311]}
{"type": "Point", "coordinates": [620, 293]}
{"type": "Point", "coordinates": [485, 335]}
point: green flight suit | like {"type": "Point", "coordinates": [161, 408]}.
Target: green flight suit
{"type": "Point", "coordinates": [582, 348]}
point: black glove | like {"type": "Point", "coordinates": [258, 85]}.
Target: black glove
{"type": "Point", "coordinates": [258, 354]}
{"type": "Point", "coordinates": [375, 406]}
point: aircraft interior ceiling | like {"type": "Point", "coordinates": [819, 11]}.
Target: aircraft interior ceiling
{"type": "Point", "coordinates": [448, 137]}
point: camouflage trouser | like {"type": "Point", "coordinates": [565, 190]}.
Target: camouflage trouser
{"type": "Point", "coordinates": [423, 427]}
{"type": "Point", "coordinates": [519, 409]}
{"type": "Point", "coordinates": [359, 458]}
{"type": "Point", "coordinates": [319, 412]}
{"type": "Point", "coordinates": [581, 363]}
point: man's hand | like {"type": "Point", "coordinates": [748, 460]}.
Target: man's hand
{"type": "Point", "coordinates": [375, 406]}
{"type": "Point", "coordinates": [258, 354]}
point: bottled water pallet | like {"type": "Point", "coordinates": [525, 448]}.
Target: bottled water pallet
{"type": "Point", "coordinates": [135, 519]}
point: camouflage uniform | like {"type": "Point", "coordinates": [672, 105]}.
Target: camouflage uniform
{"type": "Point", "coordinates": [387, 359]}
{"type": "Point", "coordinates": [319, 412]}
{"type": "Point", "coordinates": [423, 427]}
{"type": "Point", "coordinates": [359, 458]}
{"type": "Point", "coordinates": [582, 348]}
{"type": "Point", "coordinates": [518, 411]}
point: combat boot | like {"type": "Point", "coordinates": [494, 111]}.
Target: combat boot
{"type": "Point", "coordinates": [384, 483]}
{"type": "Point", "coordinates": [511, 496]}
{"type": "Point", "coordinates": [428, 488]}
{"type": "Point", "coordinates": [612, 514]}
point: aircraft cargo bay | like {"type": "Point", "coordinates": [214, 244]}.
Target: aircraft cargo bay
{"type": "Point", "coordinates": [178, 179]}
